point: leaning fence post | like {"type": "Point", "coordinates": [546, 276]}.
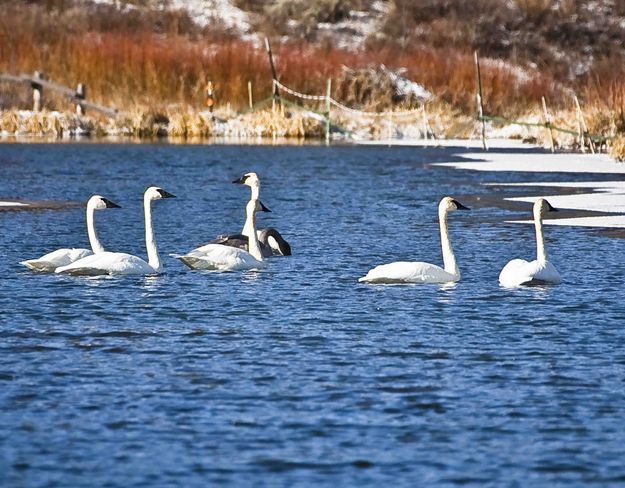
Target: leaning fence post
{"type": "Point", "coordinates": [548, 124]}
{"type": "Point", "coordinates": [274, 75]}
{"type": "Point", "coordinates": [328, 96]}
{"type": "Point", "coordinates": [81, 93]}
{"type": "Point", "coordinates": [582, 128]}
{"type": "Point", "coordinates": [480, 106]}
{"type": "Point", "coordinates": [37, 91]}
{"type": "Point", "coordinates": [249, 94]}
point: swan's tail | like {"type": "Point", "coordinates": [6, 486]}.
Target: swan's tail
{"type": "Point", "coordinates": [81, 271]}
{"type": "Point", "coordinates": [194, 262]}
{"type": "Point", "coordinates": [39, 265]}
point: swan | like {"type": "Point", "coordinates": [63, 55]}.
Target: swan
{"type": "Point", "coordinates": [540, 271]}
{"type": "Point", "coordinates": [270, 240]}
{"type": "Point", "coordinates": [113, 263]}
{"type": "Point", "coordinates": [218, 257]}
{"type": "Point", "coordinates": [62, 257]}
{"type": "Point", "coordinates": [418, 272]}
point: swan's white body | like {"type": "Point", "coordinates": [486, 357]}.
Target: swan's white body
{"type": "Point", "coordinates": [119, 263]}
{"type": "Point", "coordinates": [418, 272]}
{"type": "Point", "coordinates": [217, 257]}
{"type": "Point", "coordinates": [48, 263]}
{"type": "Point", "coordinates": [540, 271]}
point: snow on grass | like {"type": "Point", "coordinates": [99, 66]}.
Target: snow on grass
{"type": "Point", "coordinates": [204, 12]}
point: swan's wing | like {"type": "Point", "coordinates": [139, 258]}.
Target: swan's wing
{"type": "Point", "coordinates": [239, 241]}
{"type": "Point", "coordinates": [408, 272]}
{"type": "Point", "coordinates": [515, 273]}
{"type": "Point", "coordinates": [217, 257]}
{"type": "Point", "coordinates": [108, 263]}
{"type": "Point", "coordinates": [232, 240]}
{"type": "Point", "coordinates": [547, 273]}
{"type": "Point", "coordinates": [61, 257]}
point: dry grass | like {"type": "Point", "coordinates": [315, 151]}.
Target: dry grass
{"type": "Point", "coordinates": [152, 62]}
{"type": "Point", "coordinates": [617, 148]}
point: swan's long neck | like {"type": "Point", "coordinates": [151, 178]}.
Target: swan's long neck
{"type": "Point", "coordinates": [254, 246]}
{"type": "Point", "coordinates": [247, 228]}
{"type": "Point", "coordinates": [150, 243]}
{"type": "Point", "coordinates": [541, 252]}
{"type": "Point", "coordinates": [93, 237]}
{"type": "Point", "coordinates": [449, 259]}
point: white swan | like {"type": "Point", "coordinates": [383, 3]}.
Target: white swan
{"type": "Point", "coordinates": [113, 263]}
{"type": "Point", "coordinates": [418, 272]}
{"type": "Point", "coordinates": [62, 257]}
{"type": "Point", "coordinates": [270, 240]}
{"type": "Point", "coordinates": [540, 271]}
{"type": "Point", "coordinates": [218, 257]}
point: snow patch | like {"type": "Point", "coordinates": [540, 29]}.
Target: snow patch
{"type": "Point", "coordinates": [538, 163]}
{"type": "Point", "coordinates": [204, 12]}
{"type": "Point", "coordinates": [13, 204]}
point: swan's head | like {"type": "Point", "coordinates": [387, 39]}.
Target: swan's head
{"type": "Point", "coordinates": [256, 206]}
{"type": "Point", "coordinates": [156, 193]}
{"type": "Point", "coordinates": [448, 204]}
{"type": "Point", "coordinates": [542, 207]}
{"type": "Point", "coordinates": [98, 202]}
{"type": "Point", "coordinates": [249, 179]}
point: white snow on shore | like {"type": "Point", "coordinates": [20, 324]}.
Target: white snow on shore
{"type": "Point", "coordinates": [603, 196]}
{"type": "Point", "coordinates": [538, 163]}
{"type": "Point", "coordinates": [460, 143]}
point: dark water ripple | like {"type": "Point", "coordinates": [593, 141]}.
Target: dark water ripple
{"type": "Point", "coordinates": [298, 375]}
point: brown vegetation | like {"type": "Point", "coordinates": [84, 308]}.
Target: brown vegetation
{"type": "Point", "coordinates": [147, 61]}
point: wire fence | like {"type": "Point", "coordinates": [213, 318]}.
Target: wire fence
{"type": "Point", "coordinates": [335, 103]}
{"type": "Point", "coordinates": [545, 125]}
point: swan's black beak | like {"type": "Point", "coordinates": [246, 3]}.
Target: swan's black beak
{"type": "Point", "coordinates": [110, 204]}
{"type": "Point", "coordinates": [165, 194]}
{"type": "Point", "coordinates": [240, 181]}
{"type": "Point", "coordinates": [551, 208]}
{"type": "Point", "coordinates": [459, 206]}
{"type": "Point", "coordinates": [263, 208]}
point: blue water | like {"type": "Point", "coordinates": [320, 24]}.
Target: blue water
{"type": "Point", "coordinates": [298, 375]}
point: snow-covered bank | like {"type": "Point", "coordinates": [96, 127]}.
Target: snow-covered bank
{"type": "Point", "coordinates": [537, 162]}
{"type": "Point", "coordinates": [493, 144]}
{"type": "Point", "coordinates": [602, 196]}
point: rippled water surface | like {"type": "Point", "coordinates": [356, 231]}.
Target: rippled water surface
{"type": "Point", "coordinates": [299, 375]}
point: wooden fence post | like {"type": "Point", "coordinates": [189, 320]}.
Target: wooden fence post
{"type": "Point", "coordinates": [249, 94]}
{"type": "Point", "coordinates": [210, 97]}
{"type": "Point", "coordinates": [37, 92]}
{"type": "Point", "coordinates": [81, 93]}
{"type": "Point", "coordinates": [328, 96]}
{"type": "Point", "coordinates": [480, 105]}
{"type": "Point", "coordinates": [548, 124]}
{"type": "Point", "coordinates": [580, 129]}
